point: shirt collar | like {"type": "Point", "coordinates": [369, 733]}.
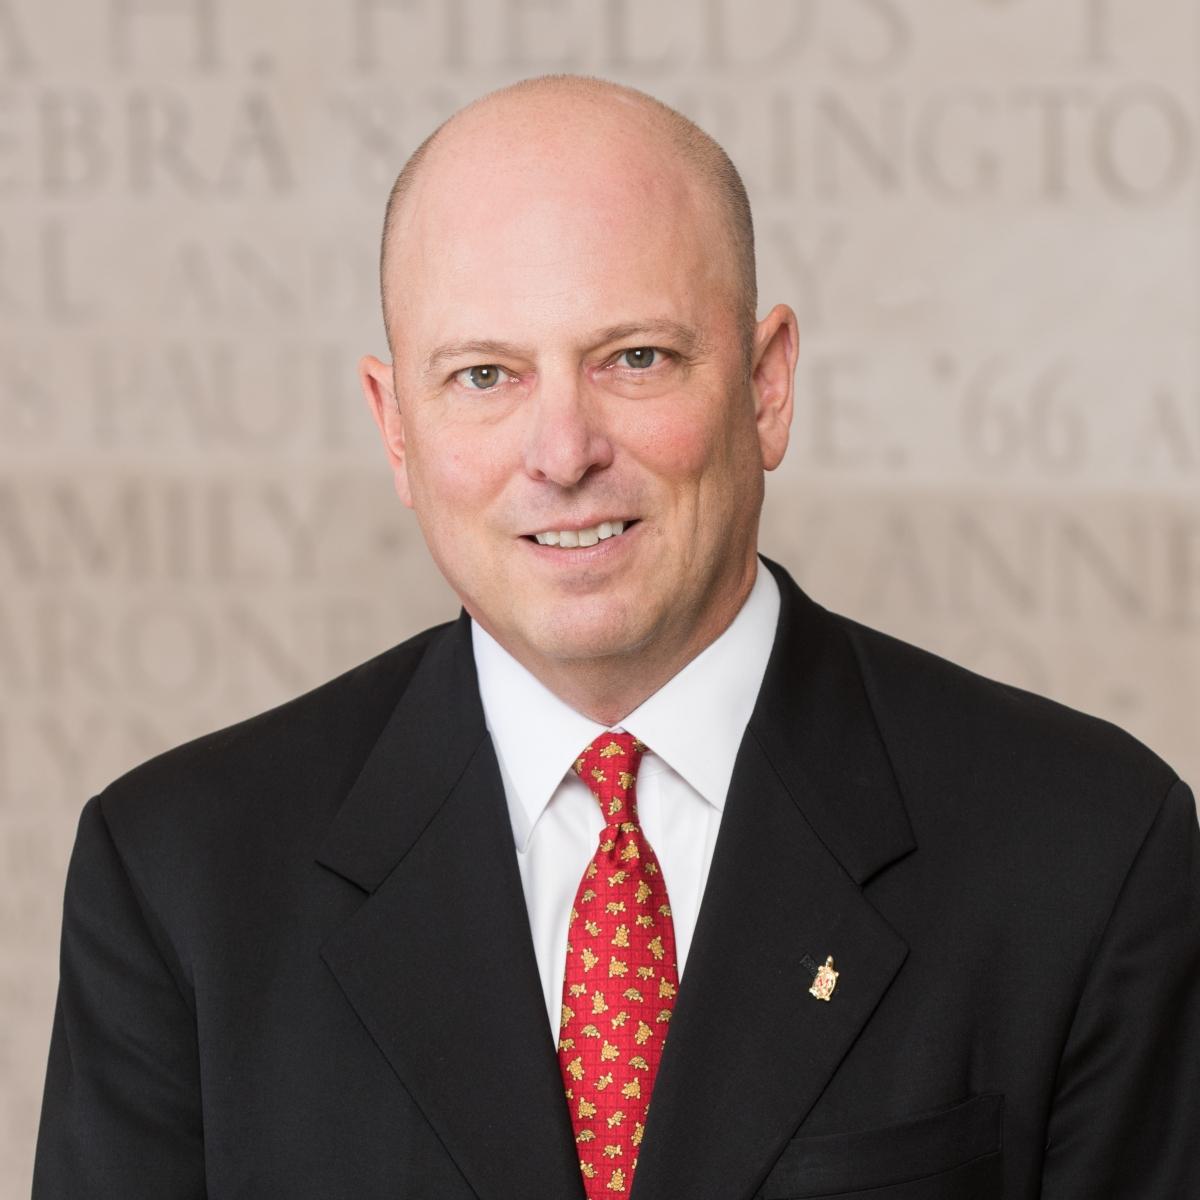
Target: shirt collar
{"type": "Point", "coordinates": [694, 722]}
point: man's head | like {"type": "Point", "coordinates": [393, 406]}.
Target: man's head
{"type": "Point", "coordinates": [720, 183]}
{"type": "Point", "coordinates": [569, 298]}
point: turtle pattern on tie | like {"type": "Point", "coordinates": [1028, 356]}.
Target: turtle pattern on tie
{"type": "Point", "coordinates": [621, 977]}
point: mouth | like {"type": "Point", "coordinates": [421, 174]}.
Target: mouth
{"type": "Point", "coordinates": [570, 539]}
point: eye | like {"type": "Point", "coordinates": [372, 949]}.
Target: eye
{"type": "Point", "coordinates": [480, 378]}
{"type": "Point", "coordinates": [641, 357]}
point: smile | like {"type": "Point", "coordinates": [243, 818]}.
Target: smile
{"type": "Point", "coordinates": [569, 539]}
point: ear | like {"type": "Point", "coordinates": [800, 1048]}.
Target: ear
{"type": "Point", "coordinates": [773, 380]}
{"type": "Point", "coordinates": [378, 387]}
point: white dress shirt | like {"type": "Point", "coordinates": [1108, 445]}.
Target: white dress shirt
{"type": "Point", "coordinates": [692, 726]}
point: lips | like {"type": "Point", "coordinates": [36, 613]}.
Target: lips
{"type": "Point", "coordinates": [582, 536]}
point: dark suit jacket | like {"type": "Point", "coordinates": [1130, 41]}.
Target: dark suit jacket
{"type": "Point", "coordinates": [296, 962]}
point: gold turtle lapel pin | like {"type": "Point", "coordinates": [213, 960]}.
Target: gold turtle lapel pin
{"type": "Point", "coordinates": [824, 980]}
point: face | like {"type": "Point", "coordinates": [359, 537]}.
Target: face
{"type": "Point", "coordinates": [569, 412]}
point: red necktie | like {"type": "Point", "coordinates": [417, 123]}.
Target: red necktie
{"type": "Point", "coordinates": [621, 977]}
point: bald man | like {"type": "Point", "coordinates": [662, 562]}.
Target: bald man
{"type": "Point", "coordinates": [647, 876]}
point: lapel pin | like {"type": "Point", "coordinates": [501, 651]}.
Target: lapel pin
{"type": "Point", "coordinates": [825, 981]}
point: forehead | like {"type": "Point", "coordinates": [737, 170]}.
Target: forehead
{"type": "Point", "coordinates": [521, 228]}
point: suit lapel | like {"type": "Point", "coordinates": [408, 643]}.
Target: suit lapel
{"type": "Point", "coordinates": [438, 961]}
{"type": "Point", "coordinates": [813, 811]}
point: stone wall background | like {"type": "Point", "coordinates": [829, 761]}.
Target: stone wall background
{"type": "Point", "coordinates": [985, 214]}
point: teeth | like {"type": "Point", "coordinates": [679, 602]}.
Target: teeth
{"type": "Point", "coordinates": [571, 538]}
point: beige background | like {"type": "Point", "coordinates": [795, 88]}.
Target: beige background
{"type": "Point", "coordinates": [984, 212]}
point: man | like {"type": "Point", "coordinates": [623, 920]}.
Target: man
{"type": "Point", "coordinates": [647, 876]}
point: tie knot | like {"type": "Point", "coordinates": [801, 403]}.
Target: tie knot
{"type": "Point", "coordinates": [609, 767]}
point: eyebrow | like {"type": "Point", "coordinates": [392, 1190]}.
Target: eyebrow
{"type": "Point", "coordinates": [685, 336]}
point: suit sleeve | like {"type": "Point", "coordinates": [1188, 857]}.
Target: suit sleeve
{"type": "Point", "coordinates": [121, 1114]}
{"type": "Point", "coordinates": [1126, 1114]}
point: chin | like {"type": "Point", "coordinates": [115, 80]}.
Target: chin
{"type": "Point", "coordinates": [582, 631]}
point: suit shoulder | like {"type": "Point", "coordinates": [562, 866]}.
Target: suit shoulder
{"type": "Point", "coordinates": [946, 726]}
{"type": "Point", "coordinates": [295, 752]}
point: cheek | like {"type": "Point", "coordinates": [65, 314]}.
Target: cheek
{"type": "Point", "coordinates": [670, 438]}
{"type": "Point", "coordinates": [680, 451]}
{"type": "Point", "coordinates": [692, 444]}
{"type": "Point", "coordinates": [453, 470]}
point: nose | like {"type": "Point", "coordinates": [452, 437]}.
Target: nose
{"type": "Point", "coordinates": [565, 437]}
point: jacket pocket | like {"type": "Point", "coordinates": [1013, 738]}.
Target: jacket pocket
{"type": "Point", "coordinates": [947, 1153]}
